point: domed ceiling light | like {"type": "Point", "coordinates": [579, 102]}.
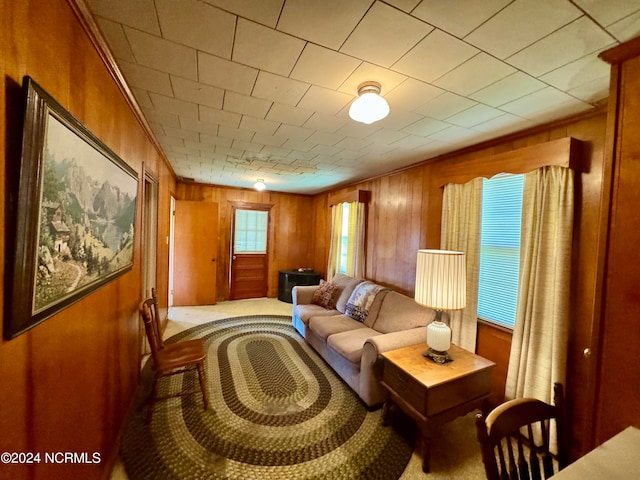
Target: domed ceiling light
{"type": "Point", "coordinates": [259, 185]}
{"type": "Point", "coordinates": [369, 107]}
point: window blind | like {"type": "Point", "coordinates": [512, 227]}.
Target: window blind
{"type": "Point", "coordinates": [500, 249]}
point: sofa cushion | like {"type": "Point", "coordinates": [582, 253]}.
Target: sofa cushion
{"type": "Point", "coordinates": [323, 326]}
{"type": "Point", "coordinates": [399, 312]}
{"type": "Point", "coordinates": [326, 295]}
{"type": "Point", "coordinates": [346, 285]}
{"type": "Point", "coordinates": [350, 344]}
{"type": "Point", "coordinates": [305, 312]}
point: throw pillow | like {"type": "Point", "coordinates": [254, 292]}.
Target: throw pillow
{"type": "Point", "coordinates": [325, 295]}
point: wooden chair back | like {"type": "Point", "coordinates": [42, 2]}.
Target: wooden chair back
{"type": "Point", "coordinates": [517, 440]}
{"type": "Point", "coordinates": [149, 312]}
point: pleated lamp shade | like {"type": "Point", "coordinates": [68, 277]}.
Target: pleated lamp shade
{"type": "Point", "coordinates": [441, 279]}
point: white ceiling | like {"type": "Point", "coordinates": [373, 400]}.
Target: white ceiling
{"type": "Point", "coordinates": [240, 90]}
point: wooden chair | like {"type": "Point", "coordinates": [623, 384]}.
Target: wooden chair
{"type": "Point", "coordinates": [173, 358]}
{"type": "Point", "coordinates": [515, 439]}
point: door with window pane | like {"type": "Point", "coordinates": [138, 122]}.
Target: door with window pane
{"type": "Point", "coordinates": [249, 260]}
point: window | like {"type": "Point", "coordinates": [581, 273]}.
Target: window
{"type": "Point", "coordinates": [344, 244]}
{"type": "Point", "coordinates": [250, 235]}
{"type": "Point", "coordinates": [500, 249]}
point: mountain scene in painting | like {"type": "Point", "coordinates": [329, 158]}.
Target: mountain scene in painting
{"type": "Point", "coordinates": [86, 228]}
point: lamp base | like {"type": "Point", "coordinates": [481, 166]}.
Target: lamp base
{"type": "Point", "coordinates": [438, 357]}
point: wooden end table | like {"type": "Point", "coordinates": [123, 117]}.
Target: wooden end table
{"type": "Point", "coordinates": [434, 394]}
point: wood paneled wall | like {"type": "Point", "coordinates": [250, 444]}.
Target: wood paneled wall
{"type": "Point", "coordinates": [67, 383]}
{"type": "Point", "coordinates": [618, 390]}
{"type": "Point", "coordinates": [404, 215]}
{"type": "Point", "coordinates": [291, 236]}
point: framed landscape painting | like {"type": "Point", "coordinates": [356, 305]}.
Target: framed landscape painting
{"type": "Point", "coordinates": [76, 214]}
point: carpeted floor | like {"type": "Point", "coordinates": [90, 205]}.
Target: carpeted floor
{"type": "Point", "coordinates": [455, 453]}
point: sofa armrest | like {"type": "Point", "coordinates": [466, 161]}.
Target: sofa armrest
{"type": "Point", "coordinates": [302, 294]}
{"type": "Point", "coordinates": [371, 362]}
{"type": "Point", "coordinates": [395, 340]}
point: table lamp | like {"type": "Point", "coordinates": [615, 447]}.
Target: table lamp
{"type": "Point", "coordinates": [440, 285]}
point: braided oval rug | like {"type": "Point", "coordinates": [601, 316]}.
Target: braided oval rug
{"type": "Point", "coordinates": [278, 412]}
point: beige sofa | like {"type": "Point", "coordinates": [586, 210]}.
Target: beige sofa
{"type": "Point", "coordinates": [352, 347]}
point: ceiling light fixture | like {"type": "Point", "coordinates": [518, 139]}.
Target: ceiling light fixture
{"type": "Point", "coordinates": [369, 107]}
{"type": "Point", "coordinates": [259, 185]}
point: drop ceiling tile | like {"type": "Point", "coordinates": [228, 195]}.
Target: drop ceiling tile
{"type": "Point", "coordinates": [386, 136]}
{"type": "Point", "coordinates": [425, 127]}
{"type": "Point", "coordinates": [325, 122]}
{"type": "Point", "coordinates": [387, 79]}
{"type": "Point", "coordinates": [278, 152]}
{"type": "Point", "coordinates": [411, 94]}
{"type": "Point", "coordinates": [627, 28]}
{"type": "Point", "coordinates": [246, 105]}
{"type": "Point", "coordinates": [404, 5]}
{"type": "Point", "coordinates": [118, 43]}
{"type": "Point", "coordinates": [455, 135]}
{"type": "Point", "coordinates": [301, 148]}
{"type": "Point", "coordinates": [146, 78]}
{"type": "Point", "coordinates": [384, 35]}
{"type": "Point", "coordinates": [279, 89]}
{"type": "Point", "coordinates": [247, 146]}
{"type": "Point", "coordinates": [160, 54]}
{"type": "Point", "coordinates": [467, 15]}
{"type": "Point", "coordinates": [592, 91]}
{"type": "Point", "coordinates": [504, 124]}
{"type": "Point", "coordinates": [325, 150]}
{"type": "Point", "coordinates": [324, 67]}
{"type": "Point", "coordinates": [324, 138]}
{"type": "Point", "coordinates": [199, 126]}
{"type": "Point", "coordinates": [140, 15]}
{"type": "Point", "coordinates": [288, 114]}
{"type": "Point", "coordinates": [350, 143]}
{"type": "Point", "coordinates": [434, 56]}
{"type": "Point", "coordinates": [611, 11]}
{"type": "Point", "coordinates": [214, 140]}
{"type": "Point", "coordinates": [266, 49]}
{"type": "Point", "coordinates": [508, 89]}
{"type": "Point", "coordinates": [214, 115]}
{"type": "Point", "coordinates": [358, 130]}
{"type": "Point", "coordinates": [197, 92]}
{"type": "Point", "coordinates": [266, 127]}
{"type": "Point", "coordinates": [294, 132]}
{"type": "Point", "coordinates": [265, 12]}
{"type": "Point", "coordinates": [174, 106]}
{"type": "Point", "coordinates": [225, 74]}
{"type": "Point", "coordinates": [504, 34]}
{"type": "Point", "coordinates": [539, 105]}
{"type": "Point", "coordinates": [197, 25]}
{"type": "Point", "coordinates": [474, 115]}
{"type": "Point", "coordinates": [142, 97]}
{"type": "Point", "coordinates": [561, 47]}
{"type": "Point", "coordinates": [235, 133]}
{"type": "Point", "coordinates": [474, 74]}
{"type": "Point", "coordinates": [165, 119]}
{"type": "Point", "coordinates": [577, 73]}
{"type": "Point", "coordinates": [324, 100]}
{"type": "Point", "coordinates": [398, 119]}
{"type": "Point", "coordinates": [181, 133]}
{"type": "Point", "coordinates": [271, 140]}
{"type": "Point", "coordinates": [411, 141]}
{"type": "Point", "coordinates": [445, 105]}
{"type": "Point", "coordinates": [325, 22]}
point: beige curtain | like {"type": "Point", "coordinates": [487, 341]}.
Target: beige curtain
{"type": "Point", "coordinates": [540, 337]}
{"type": "Point", "coordinates": [335, 246]}
{"type": "Point", "coordinates": [355, 244]}
{"type": "Point", "coordinates": [355, 240]}
{"type": "Point", "coordinates": [460, 231]}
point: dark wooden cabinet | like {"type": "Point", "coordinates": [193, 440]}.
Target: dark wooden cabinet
{"type": "Point", "coordinates": [287, 279]}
